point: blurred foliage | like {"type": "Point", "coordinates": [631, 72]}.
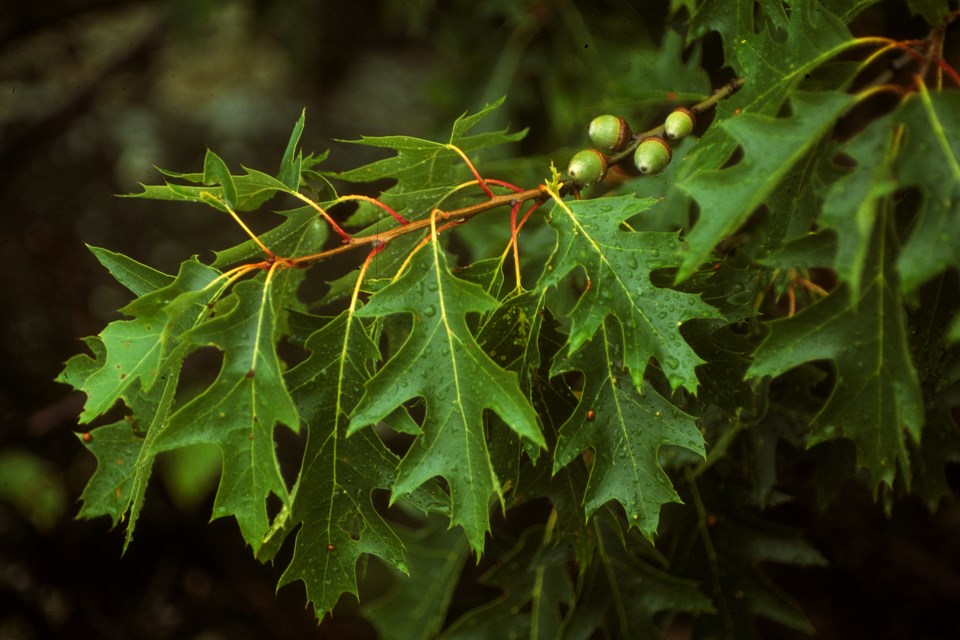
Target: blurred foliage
{"type": "Point", "coordinates": [34, 487]}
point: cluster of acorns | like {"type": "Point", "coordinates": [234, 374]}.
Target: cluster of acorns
{"type": "Point", "coordinates": [611, 134]}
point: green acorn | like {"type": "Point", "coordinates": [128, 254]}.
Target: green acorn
{"type": "Point", "coordinates": [652, 155]}
{"type": "Point", "coordinates": [610, 133]}
{"type": "Point", "coordinates": [680, 123]}
{"type": "Point", "coordinates": [587, 166]}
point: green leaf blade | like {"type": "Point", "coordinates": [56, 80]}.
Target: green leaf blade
{"type": "Point", "coordinates": [292, 161]}
{"type": "Point", "coordinates": [442, 362]}
{"type": "Point", "coordinates": [215, 172]}
{"type": "Point", "coordinates": [625, 428]}
{"type": "Point", "coordinates": [618, 264]}
{"type": "Point", "coordinates": [930, 159]}
{"type": "Point", "coordinates": [771, 147]}
{"type": "Point", "coordinates": [136, 351]}
{"type": "Point", "coordinates": [854, 203]}
{"type": "Point", "coordinates": [240, 409]}
{"type": "Point", "coordinates": [137, 277]}
{"type": "Point", "coordinates": [333, 498]}
{"type": "Point", "coordinates": [877, 401]}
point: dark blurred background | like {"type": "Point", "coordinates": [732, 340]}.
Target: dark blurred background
{"type": "Point", "coordinates": [95, 93]}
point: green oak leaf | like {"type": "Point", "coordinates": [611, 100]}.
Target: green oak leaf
{"type": "Point", "coordinates": [292, 161]}
{"type": "Point", "coordinates": [773, 50]}
{"type": "Point", "coordinates": [855, 201]}
{"type": "Point", "coordinates": [424, 170]}
{"type": "Point", "coordinates": [139, 350]}
{"type": "Point", "coordinates": [248, 191]}
{"type": "Point", "coordinates": [771, 148]}
{"type": "Point", "coordinates": [774, 53]}
{"type": "Point", "coordinates": [521, 334]}
{"type": "Point", "coordinates": [332, 502]}
{"type": "Point", "coordinates": [416, 605]}
{"type": "Point", "coordinates": [536, 592]}
{"type": "Point", "coordinates": [441, 362]}
{"type": "Point", "coordinates": [625, 427]}
{"type": "Point", "coordinates": [623, 593]}
{"type": "Point", "coordinates": [877, 401]}
{"type": "Point", "coordinates": [618, 263]}
{"type": "Point", "coordinates": [123, 449]}
{"type": "Point", "coordinates": [115, 446]}
{"type": "Point", "coordinates": [301, 233]}
{"type": "Point", "coordinates": [245, 192]}
{"type": "Point", "coordinates": [125, 456]}
{"type": "Point", "coordinates": [930, 159]}
{"type": "Point", "coordinates": [933, 11]}
{"type": "Point", "coordinates": [741, 546]}
{"type": "Point", "coordinates": [138, 278]}
{"type": "Point", "coordinates": [239, 410]}
{"type": "Point", "coordinates": [647, 76]}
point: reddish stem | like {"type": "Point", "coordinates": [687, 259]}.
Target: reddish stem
{"type": "Point", "coordinates": [943, 64]}
{"type": "Point", "coordinates": [396, 216]}
{"type": "Point", "coordinates": [526, 216]}
{"type": "Point", "coordinates": [503, 183]}
{"type": "Point", "coordinates": [473, 169]}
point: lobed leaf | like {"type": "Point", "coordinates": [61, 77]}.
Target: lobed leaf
{"type": "Point", "coordinates": [416, 607]}
{"type": "Point", "coordinates": [930, 160]}
{"type": "Point", "coordinates": [876, 401]}
{"type": "Point", "coordinates": [771, 148]}
{"type": "Point", "coordinates": [138, 351]}
{"type": "Point", "coordinates": [855, 202]}
{"type": "Point", "coordinates": [772, 49]}
{"type": "Point", "coordinates": [618, 264]}
{"type": "Point", "coordinates": [424, 170]}
{"type": "Point", "coordinates": [333, 500]}
{"type": "Point", "coordinates": [441, 362]}
{"type": "Point", "coordinates": [625, 428]}
{"type": "Point", "coordinates": [536, 593]}
{"type": "Point", "coordinates": [239, 410]}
